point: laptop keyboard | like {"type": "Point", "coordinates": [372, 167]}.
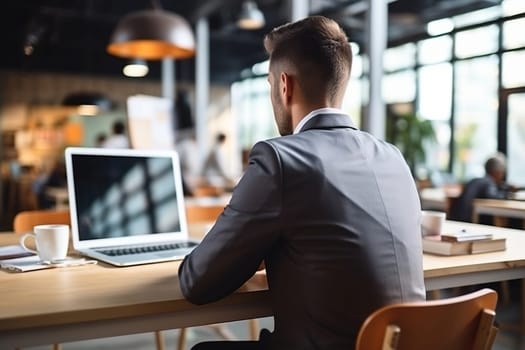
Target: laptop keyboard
{"type": "Point", "coordinates": [146, 249]}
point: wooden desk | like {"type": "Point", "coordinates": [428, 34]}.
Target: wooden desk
{"type": "Point", "coordinates": [93, 301]}
{"type": "Point", "coordinates": [505, 208]}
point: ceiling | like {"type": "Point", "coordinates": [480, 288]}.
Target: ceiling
{"type": "Point", "coordinates": [71, 35]}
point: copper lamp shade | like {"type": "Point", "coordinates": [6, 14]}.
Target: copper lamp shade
{"type": "Point", "coordinates": [152, 35]}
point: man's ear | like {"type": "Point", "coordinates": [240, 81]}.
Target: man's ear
{"type": "Point", "coordinates": [287, 86]}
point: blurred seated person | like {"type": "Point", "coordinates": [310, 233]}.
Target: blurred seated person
{"type": "Point", "coordinates": [214, 169]}
{"type": "Point", "coordinates": [118, 138]}
{"type": "Point", "coordinates": [491, 186]}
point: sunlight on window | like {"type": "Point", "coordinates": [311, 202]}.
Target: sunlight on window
{"type": "Point", "coordinates": [514, 33]}
{"type": "Point", "coordinates": [252, 109]}
{"type": "Point", "coordinates": [516, 139]}
{"type": "Point", "coordinates": [399, 87]}
{"type": "Point", "coordinates": [477, 41]}
{"type": "Point", "coordinates": [435, 91]}
{"type": "Point", "coordinates": [476, 111]}
{"type": "Point", "coordinates": [435, 50]}
{"type": "Point", "coordinates": [476, 17]}
{"type": "Point", "coordinates": [513, 74]}
{"type": "Point", "coordinates": [399, 57]}
{"type": "Point", "coordinates": [512, 7]}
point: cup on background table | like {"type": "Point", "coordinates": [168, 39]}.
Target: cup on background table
{"type": "Point", "coordinates": [51, 241]}
{"type": "Point", "coordinates": [432, 222]}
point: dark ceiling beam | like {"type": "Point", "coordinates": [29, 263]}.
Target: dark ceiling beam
{"type": "Point", "coordinates": [206, 8]}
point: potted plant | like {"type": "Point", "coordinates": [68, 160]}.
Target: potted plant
{"type": "Point", "coordinates": [411, 135]}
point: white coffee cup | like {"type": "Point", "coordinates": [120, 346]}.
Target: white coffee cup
{"type": "Point", "coordinates": [432, 222]}
{"type": "Point", "coordinates": [51, 241]}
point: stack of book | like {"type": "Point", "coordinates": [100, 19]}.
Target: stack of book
{"type": "Point", "coordinates": [462, 242]}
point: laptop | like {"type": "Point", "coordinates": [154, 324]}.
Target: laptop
{"type": "Point", "coordinates": [127, 205]}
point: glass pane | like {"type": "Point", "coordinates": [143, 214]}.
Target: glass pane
{"type": "Point", "coordinates": [477, 41]}
{"type": "Point", "coordinates": [476, 17]}
{"type": "Point", "coordinates": [435, 50]}
{"type": "Point", "coordinates": [438, 154]}
{"type": "Point", "coordinates": [352, 101]}
{"type": "Point", "coordinates": [513, 33]}
{"type": "Point", "coordinates": [476, 107]}
{"type": "Point", "coordinates": [435, 98]}
{"type": "Point", "coordinates": [516, 139]}
{"type": "Point", "coordinates": [399, 87]}
{"type": "Point", "coordinates": [435, 91]}
{"type": "Point", "coordinates": [400, 57]}
{"type": "Point", "coordinates": [252, 109]}
{"type": "Point", "coordinates": [513, 74]}
{"type": "Point", "coordinates": [513, 7]}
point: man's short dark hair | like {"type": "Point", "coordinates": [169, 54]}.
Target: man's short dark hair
{"type": "Point", "coordinates": [119, 127]}
{"type": "Point", "coordinates": [318, 51]}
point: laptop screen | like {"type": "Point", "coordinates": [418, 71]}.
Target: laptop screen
{"type": "Point", "coordinates": [124, 193]}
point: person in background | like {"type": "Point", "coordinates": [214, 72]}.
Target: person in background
{"type": "Point", "coordinates": [101, 138]}
{"type": "Point", "coordinates": [331, 212]}
{"type": "Point", "coordinates": [118, 138]}
{"type": "Point", "coordinates": [214, 167]}
{"type": "Point", "coordinates": [492, 186]}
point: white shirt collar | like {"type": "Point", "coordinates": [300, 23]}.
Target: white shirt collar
{"type": "Point", "coordinates": [313, 114]}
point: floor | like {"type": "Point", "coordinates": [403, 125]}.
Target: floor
{"type": "Point", "coordinates": [507, 316]}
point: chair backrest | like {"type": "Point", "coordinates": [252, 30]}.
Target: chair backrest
{"type": "Point", "coordinates": [207, 191]}
{"type": "Point", "coordinates": [26, 220]}
{"type": "Point", "coordinates": [203, 213]}
{"type": "Point", "coordinates": [460, 323]}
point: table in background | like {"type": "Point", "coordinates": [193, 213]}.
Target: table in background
{"type": "Point", "coordinates": [93, 301]}
{"type": "Point", "coordinates": [501, 209]}
{"type": "Point", "coordinates": [439, 198]}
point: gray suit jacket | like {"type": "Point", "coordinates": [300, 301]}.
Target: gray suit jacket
{"type": "Point", "coordinates": [335, 215]}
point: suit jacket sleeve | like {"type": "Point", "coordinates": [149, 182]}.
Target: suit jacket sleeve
{"type": "Point", "coordinates": [243, 234]}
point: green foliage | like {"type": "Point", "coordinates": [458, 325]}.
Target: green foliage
{"type": "Point", "coordinates": [410, 134]}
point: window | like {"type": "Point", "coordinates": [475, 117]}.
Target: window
{"type": "Point", "coordinates": [516, 139]}
{"type": "Point", "coordinates": [476, 105]}
{"type": "Point", "coordinates": [513, 74]}
{"type": "Point", "coordinates": [477, 41]}
{"type": "Point", "coordinates": [251, 107]}
{"type": "Point", "coordinates": [435, 99]}
{"type": "Point", "coordinates": [513, 36]}
{"type": "Point", "coordinates": [513, 7]}
{"type": "Point", "coordinates": [399, 87]}
{"type": "Point", "coordinates": [435, 50]}
{"type": "Point", "coordinates": [480, 16]}
{"type": "Point", "coordinates": [399, 57]}
{"type": "Point", "coordinates": [435, 91]}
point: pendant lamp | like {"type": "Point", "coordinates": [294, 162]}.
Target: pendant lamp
{"type": "Point", "coordinates": [152, 35]}
{"type": "Point", "coordinates": [136, 68]}
{"type": "Point", "coordinates": [250, 17]}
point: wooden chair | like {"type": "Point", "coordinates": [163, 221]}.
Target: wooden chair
{"type": "Point", "coordinates": [460, 323]}
{"type": "Point", "coordinates": [207, 191]}
{"type": "Point", "coordinates": [208, 214]}
{"type": "Point", "coordinates": [26, 220]}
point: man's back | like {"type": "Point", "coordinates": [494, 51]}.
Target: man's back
{"type": "Point", "coordinates": [350, 217]}
{"type": "Point", "coordinates": [336, 215]}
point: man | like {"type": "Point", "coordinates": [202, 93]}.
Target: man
{"type": "Point", "coordinates": [214, 167]}
{"type": "Point", "coordinates": [331, 211]}
{"type": "Point", "coordinates": [118, 138]}
{"type": "Point", "coordinates": [492, 185]}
